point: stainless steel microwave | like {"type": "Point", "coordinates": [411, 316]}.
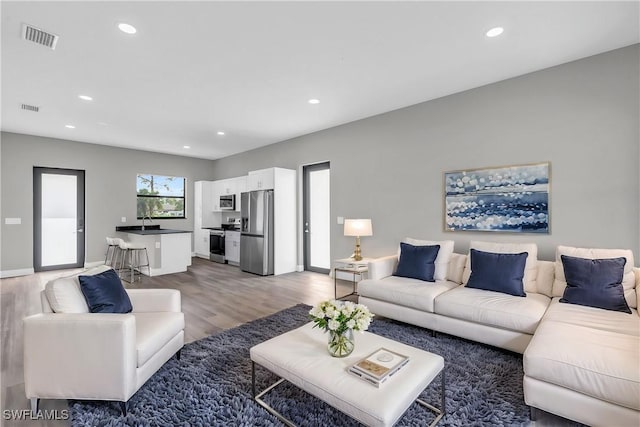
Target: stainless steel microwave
{"type": "Point", "coordinates": [228, 202]}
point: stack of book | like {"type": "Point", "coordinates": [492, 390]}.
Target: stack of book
{"type": "Point", "coordinates": [379, 366]}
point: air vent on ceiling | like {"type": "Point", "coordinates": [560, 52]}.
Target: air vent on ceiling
{"type": "Point", "coordinates": [36, 35]}
{"type": "Point", "coordinates": [30, 108]}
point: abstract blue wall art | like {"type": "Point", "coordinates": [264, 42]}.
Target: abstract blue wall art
{"type": "Point", "coordinates": [511, 199]}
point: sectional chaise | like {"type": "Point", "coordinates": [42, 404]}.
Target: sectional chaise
{"type": "Point", "coordinates": [580, 362]}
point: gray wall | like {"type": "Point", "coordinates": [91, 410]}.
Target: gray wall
{"type": "Point", "coordinates": [581, 116]}
{"type": "Point", "coordinates": [110, 180]}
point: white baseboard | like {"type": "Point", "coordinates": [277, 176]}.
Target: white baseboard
{"type": "Point", "coordinates": [15, 273]}
{"type": "Point", "coordinates": [299, 268]}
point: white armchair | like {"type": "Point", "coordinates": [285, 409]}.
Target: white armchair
{"type": "Point", "coordinates": [96, 356]}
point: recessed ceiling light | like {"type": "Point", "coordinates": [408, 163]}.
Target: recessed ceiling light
{"type": "Point", "coordinates": [221, 133]}
{"type": "Point", "coordinates": [495, 32]}
{"type": "Point", "coordinates": [186, 146]}
{"type": "Point", "coordinates": [85, 97]}
{"type": "Point", "coordinates": [70, 126]}
{"type": "Point", "coordinates": [314, 101]}
{"type": "Point", "coordinates": [127, 28]}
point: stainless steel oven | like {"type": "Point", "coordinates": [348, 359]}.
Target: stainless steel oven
{"type": "Point", "coordinates": [216, 246]}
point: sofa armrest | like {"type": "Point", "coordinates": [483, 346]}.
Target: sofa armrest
{"type": "Point", "coordinates": [155, 300]}
{"type": "Point", "coordinates": [382, 267]}
{"type": "Point", "coordinates": [636, 270]}
{"type": "Point", "coordinates": [84, 356]}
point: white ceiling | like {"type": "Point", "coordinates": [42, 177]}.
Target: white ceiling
{"type": "Point", "coordinates": [248, 68]}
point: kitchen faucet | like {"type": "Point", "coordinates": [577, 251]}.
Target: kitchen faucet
{"type": "Point", "coordinates": [143, 220]}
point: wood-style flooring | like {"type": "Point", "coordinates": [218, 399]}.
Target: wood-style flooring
{"type": "Point", "coordinates": [215, 297]}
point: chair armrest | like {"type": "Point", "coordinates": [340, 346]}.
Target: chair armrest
{"type": "Point", "coordinates": [382, 267]}
{"type": "Point", "coordinates": [155, 300]}
{"type": "Point", "coordinates": [83, 356]}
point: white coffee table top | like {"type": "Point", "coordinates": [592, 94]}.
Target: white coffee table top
{"type": "Point", "coordinates": [300, 356]}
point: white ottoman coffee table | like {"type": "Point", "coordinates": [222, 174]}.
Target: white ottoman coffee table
{"type": "Point", "coordinates": [300, 357]}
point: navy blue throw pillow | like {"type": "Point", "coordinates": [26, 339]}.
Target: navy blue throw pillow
{"type": "Point", "coordinates": [595, 282]}
{"type": "Point", "coordinates": [498, 272]}
{"type": "Point", "coordinates": [417, 262]}
{"type": "Point", "coordinates": [104, 293]}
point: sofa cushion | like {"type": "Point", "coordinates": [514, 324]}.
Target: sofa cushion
{"type": "Point", "coordinates": [497, 272]}
{"type": "Point", "coordinates": [594, 362]}
{"type": "Point", "coordinates": [444, 254]}
{"type": "Point", "coordinates": [153, 331]}
{"type": "Point", "coordinates": [628, 279]}
{"type": "Point", "coordinates": [530, 269]}
{"type": "Point", "coordinates": [417, 262]}
{"type": "Point", "coordinates": [493, 308]}
{"type": "Point", "coordinates": [544, 278]}
{"type": "Point", "coordinates": [64, 294]}
{"type": "Point", "coordinates": [104, 293]}
{"type": "Point", "coordinates": [405, 292]}
{"type": "Point", "coordinates": [613, 321]}
{"type": "Point", "coordinates": [595, 283]}
{"type": "Point", "coordinates": [456, 267]}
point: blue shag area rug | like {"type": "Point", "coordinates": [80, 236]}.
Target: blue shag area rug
{"type": "Point", "coordinates": [211, 384]}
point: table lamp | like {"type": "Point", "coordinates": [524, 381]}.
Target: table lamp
{"type": "Point", "coordinates": [357, 228]}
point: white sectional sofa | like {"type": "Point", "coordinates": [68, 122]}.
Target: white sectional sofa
{"type": "Point", "coordinates": [580, 362]}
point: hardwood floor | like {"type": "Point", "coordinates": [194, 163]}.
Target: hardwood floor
{"type": "Point", "coordinates": [215, 297]}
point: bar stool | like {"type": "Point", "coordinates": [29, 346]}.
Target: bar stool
{"type": "Point", "coordinates": [131, 253]}
{"type": "Point", "coordinates": [113, 249]}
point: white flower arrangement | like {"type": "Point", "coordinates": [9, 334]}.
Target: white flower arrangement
{"type": "Point", "coordinates": [339, 316]}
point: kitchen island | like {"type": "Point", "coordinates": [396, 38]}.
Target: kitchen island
{"type": "Point", "coordinates": [169, 250]}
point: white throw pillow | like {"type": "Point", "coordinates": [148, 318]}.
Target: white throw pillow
{"type": "Point", "coordinates": [64, 294]}
{"type": "Point", "coordinates": [530, 268]}
{"type": "Point", "coordinates": [443, 258]}
{"type": "Point", "coordinates": [628, 279]}
{"type": "Point", "coordinates": [456, 267]}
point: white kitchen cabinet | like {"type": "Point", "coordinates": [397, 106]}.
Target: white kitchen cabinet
{"type": "Point", "coordinates": [207, 204]}
{"type": "Point", "coordinates": [203, 217]}
{"type": "Point", "coordinates": [226, 186]}
{"type": "Point", "coordinates": [201, 243]}
{"type": "Point", "coordinates": [241, 187]}
{"type": "Point", "coordinates": [263, 179]}
{"type": "Point", "coordinates": [216, 188]}
{"type": "Point", "coordinates": [232, 247]}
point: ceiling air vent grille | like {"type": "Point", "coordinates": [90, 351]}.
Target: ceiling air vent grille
{"type": "Point", "coordinates": [30, 108]}
{"type": "Point", "coordinates": [38, 36]}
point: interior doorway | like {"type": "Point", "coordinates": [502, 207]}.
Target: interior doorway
{"type": "Point", "coordinates": [316, 217]}
{"type": "Point", "coordinates": [58, 219]}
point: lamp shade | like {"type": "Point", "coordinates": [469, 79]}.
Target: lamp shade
{"type": "Point", "coordinates": [358, 227]}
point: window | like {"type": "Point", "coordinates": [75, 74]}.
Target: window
{"type": "Point", "coordinates": [160, 196]}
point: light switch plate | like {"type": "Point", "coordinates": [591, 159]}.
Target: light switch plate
{"type": "Point", "coordinates": [123, 219]}
{"type": "Point", "coordinates": [157, 245]}
{"type": "Point", "coordinates": [13, 221]}
{"type": "Point", "coordinates": [340, 220]}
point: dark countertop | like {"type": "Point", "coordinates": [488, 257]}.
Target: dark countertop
{"type": "Point", "coordinates": [149, 230]}
{"type": "Point", "coordinates": [222, 228]}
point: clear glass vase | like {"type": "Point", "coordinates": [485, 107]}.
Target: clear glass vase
{"type": "Point", "coordinates": [341, 345]}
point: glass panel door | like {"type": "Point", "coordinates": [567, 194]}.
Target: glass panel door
{"type": "Point", "coordinates": [317, 214]}
{"type": "Point", "coordinates": [58, 219]}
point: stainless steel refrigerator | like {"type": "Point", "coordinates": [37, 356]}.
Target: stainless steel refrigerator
{"type": "Point", "coordinates": [256, 232]}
